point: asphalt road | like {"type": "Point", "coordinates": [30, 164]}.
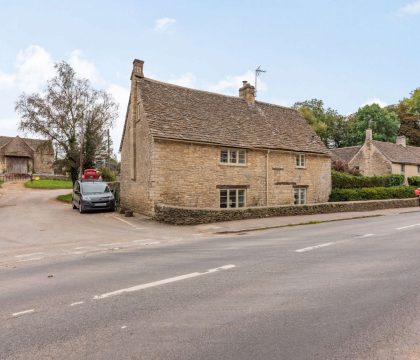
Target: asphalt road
{"type": "Point", "coordinates": [342, 290]}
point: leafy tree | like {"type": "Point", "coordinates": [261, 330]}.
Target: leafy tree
{"type": "Point", "coordinates": [383, 122]}
{"type": "Point", "coordinates": [330, 126]}
{"type": "Point", "coordinates": [409, 113]}
{"type": "Point", "coordinates": [68, 110]}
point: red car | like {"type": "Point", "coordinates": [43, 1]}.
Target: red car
{"type": "Point", "coordinates": [91, 174]}
{"type": "Point", "coordinates": [418, 192]}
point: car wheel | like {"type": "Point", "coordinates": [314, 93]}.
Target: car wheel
{"type": "Point", "coordinates": [81, 210]}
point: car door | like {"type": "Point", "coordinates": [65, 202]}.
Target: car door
{"type": "Point", "coordinates": [76, 193]}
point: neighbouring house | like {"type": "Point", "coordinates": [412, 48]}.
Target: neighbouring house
{"type": "Point", "coordinates": [194, 148]}
{"type": "Point", "coordinates": [380, 158]}
{"type": "Point", "coordinates": [25, 156]}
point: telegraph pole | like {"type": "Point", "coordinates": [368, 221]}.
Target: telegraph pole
{"type": "Point", "coordinates": [82, 135]}
{"type": "Point", "coordinates": [109, 151]}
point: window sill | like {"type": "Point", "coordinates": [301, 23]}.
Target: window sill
{"type": "Point", "coordinates": [228, 164]}
{"type": "Point", "coordinates": [301, 167]}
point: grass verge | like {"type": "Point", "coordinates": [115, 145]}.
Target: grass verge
{"type": "Point", "coordinates": [49, 184]}
{"type": "Point", "coordinates": [64, 198]}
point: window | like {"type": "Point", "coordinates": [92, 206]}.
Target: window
{"type": "Point", "coordinates": [300, 195]}
{"type": "Point", "coordinates": [300, 160]}
{"type": "Point", "coordinates": [403, 168]}
{"type": "Point", "coordinates": [418, 169]}
{"type": "Point", "coordinates": [232, 198]}
{"type": "Point", "coordinates": [233, 156]}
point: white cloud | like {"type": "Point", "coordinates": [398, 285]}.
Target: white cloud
{"type": "Point", "coordinates": [120, 95]}
{"type": "Point", "coordinates": [33, 67]}
{"type": "Point", "coordinates": [84, 69]}
{"type": "Point", "coordinates": [163, 24]}
{"type": "Point", "coordinates": [187, 80]}
{"type": "Point", "coordinates": [412, 8]}
{"type": "Point", "coordinates": [231, 83]}
{"type": "Point", "coordinates": [375, 100]}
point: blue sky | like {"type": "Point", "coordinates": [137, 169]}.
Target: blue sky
{"type": "Point", "coordinates": [347, 53]}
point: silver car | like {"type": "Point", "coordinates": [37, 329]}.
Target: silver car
{"type": "Point", "coordinates": [92, 195]}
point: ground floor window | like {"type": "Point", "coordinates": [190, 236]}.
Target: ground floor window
{"type": "Point", "coordinates": [232, 198]}
{"type": "Point", "coordinates": [300, 195]}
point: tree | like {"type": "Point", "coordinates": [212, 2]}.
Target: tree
{"type": "Point", "coordinates": [68, 110]}
{"type": "Point", "coordinates": [330, 126]}
{"type": "Point", "coordinates": [409, 113]}
{"type": "Point", "coordinates": [383, 122]}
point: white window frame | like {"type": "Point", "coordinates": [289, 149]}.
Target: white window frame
{"type": "Point", "coordinates": [228, 191]}
{"type": "Point", "coordinates": [402, 168]}
{"type": "Point", "coordinates": [233, 154]}
{"type": "Point", "coordinates": [302, 195]}
{"type": "Point", "coordinates": [300, 161]}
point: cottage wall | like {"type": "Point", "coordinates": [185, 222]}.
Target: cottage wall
{"type": "Point", "coordinates": [191, 175]}
{"type": "Point", "coordinates": [136, 167]}
{"type": "Point", "coordinates": [370, 161]}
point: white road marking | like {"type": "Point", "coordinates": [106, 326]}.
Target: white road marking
{"type": "Point", "coordinates": [111, 244]}
{"type": "Point", "coordinates": [366, 235]}
{"type": "Point", "coordinates": [24, 312]}
{"type": "Point", "coordinates": [125, 221]}
{"type": "Point", "coordinates": [314, 247]}
{"type": "Point", "coordinates": [26, 255]}
{"type": "Point", "coordinates": [123, 327]}
{"type": "Point", "coordinates": [77, 303]}
{"type": "Point", "coordinates": [31, 259]}
{"type": "Point", "coordinates": [80, 248]}
{"type": "Point", "coordinates": [407, 227]}
{"type": "Point", "coordinates": [160, 282]}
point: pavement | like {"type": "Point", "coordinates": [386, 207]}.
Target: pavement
{"type": "Point", "coordinates": [334, 290]}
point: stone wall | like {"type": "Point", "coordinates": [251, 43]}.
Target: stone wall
{"type": "Point", "coordinates": [370, 161]}
{"type": "Point", "coordinates": [191, 175]}
{"type": "Point", "coordinates": [192, 216]}
{"type": "Point", "coordinates": [136, 161]}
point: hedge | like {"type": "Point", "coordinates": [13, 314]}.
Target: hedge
{"type": "Point", "coordinates": [375, 193]}
{"type": "Point", "coordinates": [414, 181]}
{"type": "Point", "coordinates": [346, 181]}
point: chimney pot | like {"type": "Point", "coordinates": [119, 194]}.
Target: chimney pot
{"type": "Point", "coordinates": [137, 68]}
{"type": "Point", "coordinates": [369, 135]}
{"type": "Point", "coordinates": [402, 140]}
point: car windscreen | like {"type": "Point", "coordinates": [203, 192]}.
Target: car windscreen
{"type": "Point", "coordinates": [94, 188]}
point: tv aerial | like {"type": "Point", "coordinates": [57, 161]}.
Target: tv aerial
{"type": "Point", "coordinates": [258, 72]}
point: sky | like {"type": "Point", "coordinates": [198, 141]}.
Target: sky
{"type": "Point", "coordinates": [347, 53]}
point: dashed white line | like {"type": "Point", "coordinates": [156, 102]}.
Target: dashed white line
{"type": "Point", "coordinates": [127, 222]}
{"type": "Point", "coordinates": [24, 312]}
{"type": "Point", "coordinates": [309, 248]}
{"type": "Point", "coordinates": [31, 254]}
{"type": "Point", "coordinates": [31, 259]}
{"type": "Point", "coordinates": [407, 227]}
{"type": "Point", "coordinates": [366, 235]}
{"type": "Point", "coordinates": [160, 282]}
{"type": "Point", "coordinates": [77, 303]}
{"type": "Point", "coordinates": [123, 327]}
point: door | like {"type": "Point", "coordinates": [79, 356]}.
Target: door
{"type": "Point", "coordinates": [16, 165]}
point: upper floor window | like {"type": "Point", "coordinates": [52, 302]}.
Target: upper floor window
{"type": "Point", "coordinates": [403, 168]}
{"type": "Point", "coordinates": [300, 160]}
{"type": "Point", "coordinates": [233, 156]}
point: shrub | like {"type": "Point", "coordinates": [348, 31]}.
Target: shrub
{"type": "Point", "coordinates": [414, 181]}
{"type": "Point", "coordinates": [342, 166]}
{"type": "Point", "coordinates": [107, 174]}
{"type": "Point", "coordinates": [346, 181]}
{"type": "Point", "coordinates": [373, 193]}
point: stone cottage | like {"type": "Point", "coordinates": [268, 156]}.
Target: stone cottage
{"type": "Point", "coordinates": [195, 148]}
{"type": "Point", "coordinates": [381, 158]}
{"type": "Point", "coordinates": [24, 156]}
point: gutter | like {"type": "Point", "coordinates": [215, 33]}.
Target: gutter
{"type": "Point", "coordinates": [266, 179]}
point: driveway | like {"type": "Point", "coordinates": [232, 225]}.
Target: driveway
{"type": "Point", "coordinates": [34, 226]}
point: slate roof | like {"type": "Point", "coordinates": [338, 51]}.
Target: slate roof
{"type": "Point", "coordinates": [346, 153]}
{"type": "Point", "coordinates": [179, 113]}
{"type": "Point", "coordinates": [398, 153]}
{"type": "Point", "coordinates": [34, 144]}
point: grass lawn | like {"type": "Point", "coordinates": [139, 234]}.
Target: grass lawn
{"type": "Point", "coordinates": [49, 184]}
{"type": "Point", "coordinates": [64, 198]}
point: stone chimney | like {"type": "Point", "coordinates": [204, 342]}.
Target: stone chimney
{"type": "Point", "coordinates": [369, 135]}
{"type": "Point", "coordinates": [137, 68]}
{"type": "Point", "coordinates": [247, 92]}
{"type": "Point", "coordinates": [402, 140]}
